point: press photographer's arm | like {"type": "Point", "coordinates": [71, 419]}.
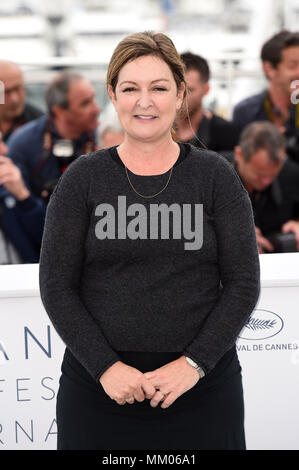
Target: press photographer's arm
{"type": "Point", "coordinates": [11, 178]}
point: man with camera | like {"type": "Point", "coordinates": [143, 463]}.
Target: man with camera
{"type": "Point", "coordinates": [45, 147]}
{"type": "Point", "coordinates": [271, 180]}
{"type": "Point", "coordinates": [279, 103]}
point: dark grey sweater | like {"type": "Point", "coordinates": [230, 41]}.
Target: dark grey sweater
{"type": "Point", "coordinates": [178, 272]}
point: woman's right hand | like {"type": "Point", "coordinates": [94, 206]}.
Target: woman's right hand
{"type": "Point", "coordinates": [124, 383]}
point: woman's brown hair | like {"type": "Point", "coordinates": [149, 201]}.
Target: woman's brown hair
{"type": "Point", "coordinates": [147, 43]}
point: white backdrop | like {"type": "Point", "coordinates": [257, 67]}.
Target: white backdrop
{"type": "Point", "coordinates": [268, 348]}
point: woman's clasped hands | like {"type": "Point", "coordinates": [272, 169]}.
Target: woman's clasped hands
{"type": "Point", "coordinates": [125, 384]}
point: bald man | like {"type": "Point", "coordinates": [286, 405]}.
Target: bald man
{"type": "Point", "coordinates": [15, 111]}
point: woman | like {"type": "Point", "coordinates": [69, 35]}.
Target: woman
{"type": "Point", "coordinates": [149, 269]}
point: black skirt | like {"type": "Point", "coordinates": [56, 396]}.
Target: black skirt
{"type": "Point", "coordinates": [210, 416]}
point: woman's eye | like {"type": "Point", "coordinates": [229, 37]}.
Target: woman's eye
{"type": "Point", "coordinates": [129, 89]}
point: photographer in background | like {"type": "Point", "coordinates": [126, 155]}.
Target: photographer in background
{"type": "Point", "coordinates": [272, 184]}
{"type": "Point", "coordinates": [14, 112]}
{"type": "Point", "coordinates": [195, 124]}
{"type": "Point", "coordinates": [45, 147]}
{"type": "Point", "coordinates": [21, 216]}
{"type": "Point", "coordinates": [280, 58]}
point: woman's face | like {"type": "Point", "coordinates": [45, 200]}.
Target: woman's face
{"type": "Point", "coordinates": [146, 98]}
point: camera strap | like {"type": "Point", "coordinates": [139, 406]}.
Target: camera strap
{"type": "Point", "coordinates": [269, 109]}
{"type": "Point", "coordinates": [47, 149]}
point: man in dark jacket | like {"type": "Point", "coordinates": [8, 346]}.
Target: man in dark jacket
{"type": "Point", "coordinates": [196, 124]}
{"type": "Point", "coordinates": [278, 103]}
{"type": "Point", "coordinates": [14, 111]}
{"type": "Point", "coordinates": [43, 148]}
{"type": "Point", "coordinates": [271, 180]}
{"type": "Point", "coordinates": [21, 216]}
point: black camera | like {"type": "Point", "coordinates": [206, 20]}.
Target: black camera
{"type": "Point", "coordinates": [293, 147]}
{"type": "Point", "coordinates": [63, 150]}
{"type": "Point", "coordinates": [283, 242]}
{"type": "Point", "coordinates": [48, 188]}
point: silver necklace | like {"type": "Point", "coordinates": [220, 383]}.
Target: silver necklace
{"type": "Point", "coordinates": [142, 195]}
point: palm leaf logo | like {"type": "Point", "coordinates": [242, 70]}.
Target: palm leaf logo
{"type": "Point", "coordinates": [262, 324]}
{"type": "Point", "coordinates": [258, 324]}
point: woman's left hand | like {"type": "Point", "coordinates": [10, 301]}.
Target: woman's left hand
{"type": "Point", "coordinates": [171, 381]}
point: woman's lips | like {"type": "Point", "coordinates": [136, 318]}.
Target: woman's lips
{"type": "Point", "coordinates": [144, 117]}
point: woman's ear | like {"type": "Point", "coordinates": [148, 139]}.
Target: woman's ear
{"type": "Point", "coordinates": [180, 96]}
{"type": "Point", "coordinates": [111, 93]}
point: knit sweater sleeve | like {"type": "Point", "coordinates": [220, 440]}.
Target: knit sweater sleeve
{"type": "Point", "coordinates": [61, 267]}
{"type": "Point", "coordinates": [238, 262]}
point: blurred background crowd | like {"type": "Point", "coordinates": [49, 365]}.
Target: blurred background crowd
{"type": "Point", "coordinates": [242, 73]}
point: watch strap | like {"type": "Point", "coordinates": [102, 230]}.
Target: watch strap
{"type": "Point", "coordinates": [196, 366]}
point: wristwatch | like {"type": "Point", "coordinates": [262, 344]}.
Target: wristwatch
{"type": "Point", "coordinates": [196, 366]}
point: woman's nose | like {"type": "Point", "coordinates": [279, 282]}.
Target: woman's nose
{"type": "Point", "coordinates": [144, 100]}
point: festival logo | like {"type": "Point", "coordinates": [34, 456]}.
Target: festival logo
{"type": "Point", "coordinates": [262, 324]}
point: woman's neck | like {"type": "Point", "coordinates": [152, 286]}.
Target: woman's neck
{"type": "Point", "coordinates": [148, 158]}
